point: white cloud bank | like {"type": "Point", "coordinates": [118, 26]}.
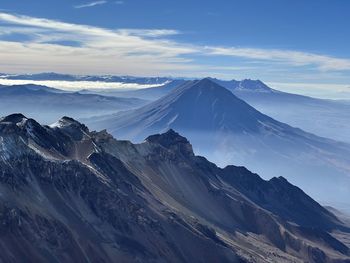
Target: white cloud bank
{"type": "Point", "coordinates": [78, 85]}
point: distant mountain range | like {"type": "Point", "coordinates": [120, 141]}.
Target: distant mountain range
{"type": "Point", "coordinates": [227, 130]}
{"type": "Point", "coordinates": [68, 77]}
{"type": "Point", "coordinates": [246, 85]}
{"type": "Point", "coordinates": [326, 118]}
{"type": "Point", "coordinates": [72, 195]}
{"type": "Point", "coordinates": [48, 104]}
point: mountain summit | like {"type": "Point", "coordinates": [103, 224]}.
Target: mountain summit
{"type": "Point", "coordinates": [196, 105]}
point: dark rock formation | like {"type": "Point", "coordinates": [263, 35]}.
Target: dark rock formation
{"type": "Point", "coordinates": [71, 195]}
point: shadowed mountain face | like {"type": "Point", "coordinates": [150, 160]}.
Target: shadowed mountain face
{"type": "Point", "coordinates": [68, 194]}
{"type": "Point", "coordinates": [227, 130]}
{"type": "Point", "coordinates": [48, 104]}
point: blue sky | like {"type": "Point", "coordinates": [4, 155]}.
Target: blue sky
{"type": "Point", "coordinates": [304, 43]}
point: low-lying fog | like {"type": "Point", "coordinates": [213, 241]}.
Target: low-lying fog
{"type": "Point", "coordinates": [77, 85]}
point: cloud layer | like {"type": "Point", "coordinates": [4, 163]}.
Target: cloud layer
{"type": "Point", "coordinates": [50, 45]}
{"type": "Point", "coordinates": [78, 85]}
{"type": "Point", "coordinates": [290, 57]}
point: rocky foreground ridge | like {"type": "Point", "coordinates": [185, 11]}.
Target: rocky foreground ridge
{"type": "Point", "coordinates": [71, 195]}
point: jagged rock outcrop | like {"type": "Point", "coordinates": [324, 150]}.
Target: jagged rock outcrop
{"type": "Point", "coordinates": [71, 195]}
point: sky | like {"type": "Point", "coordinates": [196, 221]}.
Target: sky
{"type": "Point", "coordinates": [300, 46]}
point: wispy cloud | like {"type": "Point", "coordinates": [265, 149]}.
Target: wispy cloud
{"type": "Point", "coordinates": [149, 32]}
{"type": "Point", "coordinates": [90, 4]}
{"type": "Point", "coordinates": [101, 50]}
{"type": "Point", "coordinates": [119, 2]}
{"type": "Point", "coordinates": [140, 51]}
{"type": "Point", "coordinates": [290, 57]}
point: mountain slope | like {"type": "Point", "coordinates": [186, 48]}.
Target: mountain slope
{"type": "Point", "coordinates": [68, 194]}
{"type": "Point", "coordinates": [327, 118]}
{"type": "Point", "coordinates": [228, 130]}
{"type": "Point", "coordinates": [22, 89]}
{"type": "Point", "coordinates": [48, 104]}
